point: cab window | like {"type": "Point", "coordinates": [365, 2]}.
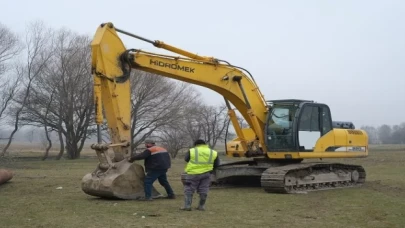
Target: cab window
{"type": "Point", "coordinates": [280, 128]}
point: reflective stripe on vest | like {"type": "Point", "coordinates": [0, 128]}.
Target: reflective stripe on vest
{"type": "Point", "coordinates": [157, 150]}
{"type": "Point", "coordinates": [196, 165]}
{"type": "Point", "coordinates": [200, 162]}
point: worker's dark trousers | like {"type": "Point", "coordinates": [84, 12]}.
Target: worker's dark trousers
{"type": "Point", "coordinates": [150, 178]}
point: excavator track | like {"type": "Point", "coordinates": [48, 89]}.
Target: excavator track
{"type": "Point", "coordinates": [305, 177]}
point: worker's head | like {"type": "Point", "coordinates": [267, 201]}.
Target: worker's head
{"type": "Point", "coordinates": [149, 143]}
{"type": "Point", "coordinates": [199, 142]}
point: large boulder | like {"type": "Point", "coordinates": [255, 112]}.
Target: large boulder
{"type": "Point", "coordinates": [5, 175]}
{"type": "Point", "coordinates": [125, 181]}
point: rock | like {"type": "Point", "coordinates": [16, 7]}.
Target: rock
{"type": "Point", "coordinates": [5, 175]}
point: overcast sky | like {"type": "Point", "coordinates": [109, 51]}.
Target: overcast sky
{"type": "Point", "coordinates": [349, 54]}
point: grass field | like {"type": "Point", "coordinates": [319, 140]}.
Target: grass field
{"type": "Point", "coordinates": [31, 199]}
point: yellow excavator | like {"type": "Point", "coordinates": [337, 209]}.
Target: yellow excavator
{"type": "Point", "coordinates": [281, 133]}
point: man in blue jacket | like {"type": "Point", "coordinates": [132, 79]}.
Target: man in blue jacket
{"type": "Point", "coordinates": [157, 162]}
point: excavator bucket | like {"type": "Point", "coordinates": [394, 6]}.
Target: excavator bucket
{"type": "Point", "coordinates": [123, 181]}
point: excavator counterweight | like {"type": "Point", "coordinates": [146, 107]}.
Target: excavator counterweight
{"type": "Point", "coordinates": [281, 133]}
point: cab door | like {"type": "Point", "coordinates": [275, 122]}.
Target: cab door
{"type": "Point", "coordinates": [314, 121]}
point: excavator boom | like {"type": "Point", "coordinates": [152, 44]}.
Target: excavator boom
{"type": "Point", "coordinates": [230, 81]}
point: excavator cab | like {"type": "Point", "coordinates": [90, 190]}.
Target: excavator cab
{"type": "Point", "coordinates": [295, 129]}
{"type": "Point", "coordinates": [296, 125]}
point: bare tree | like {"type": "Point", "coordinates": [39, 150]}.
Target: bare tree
{"type": "Point", "coordinates": [384, 133]}
{"type": "Point", "coordinates": [10, 47]}
{"type": "Point", "coordinates": [174, 139]}
{"type": "Point", "coordinates": [197, 121]}
{"type": "Point", "coordinates": [372, 134]}
{"type": "Point", "coordinates": [156, 102]}
{"type": "Point", "coordinates": [398, 134]}
{"type": "Point", "coordinates": [47, 140]}
{"type": "Point", "coordinates": [38, 52]}
{"type": "Point", "coordinates": [63, 97]}
{"type": "Point", "coordinates": [207, 122]}
{"type": "Point", "coordinates": [216, 120]}
{"type": "Point", "coordinates": [77, 96]}
{"type": "Point", "coordinates": [8, 89]}
{"type": "Point", "coordinates": [191, 121]}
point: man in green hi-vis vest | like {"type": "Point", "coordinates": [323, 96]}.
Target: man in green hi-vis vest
{"type": "Point", "coordinates": [201, 161]}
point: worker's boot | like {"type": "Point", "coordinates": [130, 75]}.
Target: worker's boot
{"type": "Point", "coordinates": [203, 199]}
{"type": "Point", "coordinates": [188, 199]}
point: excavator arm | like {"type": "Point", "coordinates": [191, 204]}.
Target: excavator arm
{"type": "Point", "coordinates": [112, 64]}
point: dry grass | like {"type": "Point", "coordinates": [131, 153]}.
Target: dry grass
{"type": "Point", "coordinates": [32, 200]}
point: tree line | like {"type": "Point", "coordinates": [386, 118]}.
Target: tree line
{"type": "Point", "coordinates": [46, 83]}
{"type": "Point", "coordinates": [386, 134]}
